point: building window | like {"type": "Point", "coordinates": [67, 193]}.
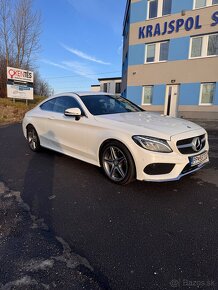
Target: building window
{"type": "Point", "coordinates": [212, 45]}
{"type": "Point", "coordinates": [157, 52]}
{"type": "Point", "coordinates": [203, 46]}
{"type": "Point", "coordinates": [150, 53]}
{"type": "Point", "coordinates": [153, 7]}
{"type": "Point", "coordinates": [117, 88]}
{"type": "Point", "coordinates": [105, 88]}
{"type": "Point", "coordinates": [207, 93]}
{"type": "Point", "coordinates": [204, 3]}
{"type": "Point", "coordinates": [158, 8]}
{"type": "Point", "coordinates": [147, 95]}
{"type": "Point", "coordinates": [200, 3]}
{"type": "Point", "coordinates": [196, 49]}
{"type": "Point", "coordinates": [164, 51]}
{"type": "Point", "coordinates": [167, 6]}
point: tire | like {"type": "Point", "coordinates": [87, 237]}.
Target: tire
{"type": "Point", "coordinates": [33, 139]}
{"type": "Point", "coordinates": [117, 163]}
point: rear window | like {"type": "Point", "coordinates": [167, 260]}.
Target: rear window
{"type": "Point", "coordinates": [49, 105]}
{"type": "Point", "coordinates": [60, 104]}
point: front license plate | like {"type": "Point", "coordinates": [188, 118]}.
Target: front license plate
{"type": "Point", "coordinates": [199, 159]}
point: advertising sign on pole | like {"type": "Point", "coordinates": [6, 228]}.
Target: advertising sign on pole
{"type": "Point", "coordinates": [19, 84]}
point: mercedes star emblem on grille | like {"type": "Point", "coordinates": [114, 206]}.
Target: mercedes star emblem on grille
{"type": "Point", "coordinates": [196, 144]}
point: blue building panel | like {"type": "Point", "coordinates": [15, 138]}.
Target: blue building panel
{"type": "Point", "coordinates": [136, 54]}
{"type": "Point", "coordinates": [138, 11]}
{"type": "Point", "coordinates": [134, 94]}
{"type": "Point", "coordinates": [216, 95]}
{"type": "Point", "coordinates": [179, 5]}
{"type": "Point", "coordinates": [189, 94]}
{"type": "Point", "coordinates": [179, 48]}
{"type": "Point", "coordinates": [159, 95]}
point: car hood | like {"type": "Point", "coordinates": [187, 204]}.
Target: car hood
{"type": "Point", "coordinates": [151, 124]}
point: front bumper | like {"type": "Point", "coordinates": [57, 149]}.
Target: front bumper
{"type": "Point", "coordinates": [181, 175]}
{"type": "Point", "coordinates": [181, 162]}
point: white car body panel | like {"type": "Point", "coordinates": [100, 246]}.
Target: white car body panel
{"type": "Point", "coordinates": [150, 124]}
{"type": "Point", "coordinates": [82, 139]}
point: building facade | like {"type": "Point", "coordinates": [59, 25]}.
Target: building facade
{"type": "Point", "coordinates": [95, 88]}
{"type": "Point", "coordinates": [108, 85]}
{"type": "Point", "coordinates": [170, 56]}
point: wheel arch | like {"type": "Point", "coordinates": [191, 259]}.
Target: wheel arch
{"type": "Point", "coordinates": [110, 140]}
{"type": "Point", "coordinates": [107, 141]}
{"type": "Point", "coordinates": [104, 143]}
{"type": "Point", "coordinates": [30, 125]}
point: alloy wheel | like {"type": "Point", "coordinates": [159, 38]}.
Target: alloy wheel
{"type": "Point", "coordinates": [33, 139]}
{"type": "Point", "coordinates": [115, 163]}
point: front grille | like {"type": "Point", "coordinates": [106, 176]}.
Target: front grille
{"type": "Point", "coordinates": [186, 146]}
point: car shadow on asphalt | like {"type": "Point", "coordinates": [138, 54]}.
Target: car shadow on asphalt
{"type": "Point", "coordinates": [45, 175]}
{"type": "Point", "coordinates": [38, 182]}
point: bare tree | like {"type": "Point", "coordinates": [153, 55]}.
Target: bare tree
{"type": "Point", "coordinates": [41, 87]}
{"type": "Point", "coordinates": [26, 33]}
{"type": "Point", "coordinates": [5, 38]}
{"type": "Point", "coordinates": [19, 36]}
{"type": "Point", "coordinates": [5, 29]}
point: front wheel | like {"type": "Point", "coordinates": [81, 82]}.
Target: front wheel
{"type": "Point", "coordinates": [117, 163]}
{"type": "Point", "coordinates": [33, 139]}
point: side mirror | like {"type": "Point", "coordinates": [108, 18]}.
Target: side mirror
{"type": "Point", "coordinates": [73, 112]}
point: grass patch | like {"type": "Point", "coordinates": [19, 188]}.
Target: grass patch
{"type": "Point", "coordinates": [11, 112]}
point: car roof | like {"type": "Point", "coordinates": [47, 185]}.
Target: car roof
{"type": "Point", "coordinates": [80, 94]}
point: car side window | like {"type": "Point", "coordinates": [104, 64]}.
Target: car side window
{"type": "Point", "coordinates": [49, 105]}
{"type": "Point", "coordinates": [60, 104]}
{"type": "Point", "coordinates": [65, 102]}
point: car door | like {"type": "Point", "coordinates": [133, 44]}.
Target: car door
{"type": "Point", "coordinates": [44, 123]}
{"type": "Point", "coordinates": [67, 134]}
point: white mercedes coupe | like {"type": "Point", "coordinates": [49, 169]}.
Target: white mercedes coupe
{"type": "Point", "coordinates": [112, 132]}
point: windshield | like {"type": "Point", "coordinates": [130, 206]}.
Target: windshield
{"type": "Point", "coordinates": [107, 104]}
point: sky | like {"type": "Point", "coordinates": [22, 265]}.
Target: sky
{"type": "Point", "coordinates": [81, 41]}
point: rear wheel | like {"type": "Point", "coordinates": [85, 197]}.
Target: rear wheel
{"type": "Point", "coordinates": [117, 163]}
{"type": "Point", "coordinates": [33, 139]}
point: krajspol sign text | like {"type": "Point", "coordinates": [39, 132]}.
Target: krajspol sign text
{"type": "Point", "coordinates": [174, 26]}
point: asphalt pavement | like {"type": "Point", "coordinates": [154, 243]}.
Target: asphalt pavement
{"type": "Point", "coordinates": [139, 236]}
{"type": "Point", "coordinates": [31, 257]}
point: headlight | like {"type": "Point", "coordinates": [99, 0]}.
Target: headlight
{"type": "Point", "coordinates": [152, 144]}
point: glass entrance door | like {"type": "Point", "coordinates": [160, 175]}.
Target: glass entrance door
{"type": "Point", "coordinates": [171, 100]}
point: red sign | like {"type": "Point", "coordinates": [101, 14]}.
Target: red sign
{"type": "Point", "coordinates": [19, 75]}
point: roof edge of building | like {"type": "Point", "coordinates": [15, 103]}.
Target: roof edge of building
{"type": "Point", "coordinates": [107, 79]}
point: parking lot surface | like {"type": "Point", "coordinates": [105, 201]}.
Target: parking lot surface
{"type": "Point", "coordinates": [139, 236]}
